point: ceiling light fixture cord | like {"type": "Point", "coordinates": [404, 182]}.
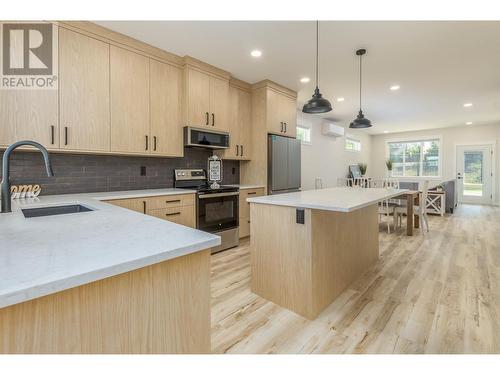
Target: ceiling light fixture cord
{"type": "Point", "coordinates": [317, 53]}
{"type": "Point", "coordinates": [360, 78]}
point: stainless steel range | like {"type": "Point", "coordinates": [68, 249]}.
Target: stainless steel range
{"type": "Point", "coordinates": [217, 210]}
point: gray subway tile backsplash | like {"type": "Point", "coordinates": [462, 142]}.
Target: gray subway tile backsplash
{"type": "Point", "coordinates": [91, 173]}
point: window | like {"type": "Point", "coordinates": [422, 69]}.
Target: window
{"type": "Point", "coordinates": [304, 134]}
{"type": "Point", "coordinates": [415, 158]}
{"type": "Point", "coordinates": [352, 144]}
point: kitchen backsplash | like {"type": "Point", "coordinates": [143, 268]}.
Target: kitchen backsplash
{"type": "Point", "coordinates": [91, 173]}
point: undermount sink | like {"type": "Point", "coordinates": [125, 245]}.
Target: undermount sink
{"type": "Point", "coordinates": [54, 210]}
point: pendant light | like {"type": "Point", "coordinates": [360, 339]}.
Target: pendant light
{"type": "Point", "coordinates": [317, 104]}
{"type": "Point", "coordinates": [360, 121]}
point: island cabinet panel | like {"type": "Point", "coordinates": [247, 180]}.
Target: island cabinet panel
{"type": "Point", "coordinates": [83, 92]}
{"type": "Point", "coordinates": [162, 308]}
{"type": "Point", "coordinates": [130, 125]}
{"type": "Point", "coordinates": [304, 267]}
{"type": "Point", "coordinates": [166, 121]}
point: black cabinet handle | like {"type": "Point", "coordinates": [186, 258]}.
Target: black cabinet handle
{"type": "Point", "coordinates": [285, 126]}
{"type": "Point", "coordinates": [173, 213]}
{"type": "Point", "coordinates": [52, 134]}
{"type": "Point", "coordinates": [154, 143]}
{"type": "Point", "coordinates": [251, 193]}
{"type": "Point", "coordinates": [147, 142]}
{"type": "Point", "coordinates": [144, 206]}
{"type": "Point", "coordinates": [213, 119]}
{"type": "Point", "coordinates": [241, 150]}
{"type": "Point", "coordinates": [173, 201]}
{"type": "Point", "coordinates": [65, 135]}
{"type": "Point", "coordinates": [237, 150]}
{"type": "Point", "coordinates": [206, 118]}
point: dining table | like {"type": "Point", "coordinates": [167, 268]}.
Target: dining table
{"type": "Point", "coordinates": [412, 199]}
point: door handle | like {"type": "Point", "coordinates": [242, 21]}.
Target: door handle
{"type": "Point", "coordinates": [147, 142]}
{"type": "Point", "coordinates": [206, 118]}
{"type": "Point", "coordinates": [213, 119]}
{"type": "Point", "coordinates": [65, 135]}
{"type": "Point", "coordinates": [52, 134]}
{"type": "Point", "coordinates": [237, 150]}
{"type": "Point", "coordinates": [154, 143]}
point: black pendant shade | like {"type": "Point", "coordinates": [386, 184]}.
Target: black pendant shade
{"type": "Point", "coordinates": [317, 104]}
{"type": "Point", "coordinates": [360, 121]}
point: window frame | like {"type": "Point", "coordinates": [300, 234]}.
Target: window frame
{"type": "Point", "coordinates": [305, 127]}
{"type": "Point", "coordinates": [352, 139]}
{"type": "Point", "coordinates": [425, 138]}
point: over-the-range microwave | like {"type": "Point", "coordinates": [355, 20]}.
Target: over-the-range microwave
{"type": "Point", "coordinates": [207, 138]}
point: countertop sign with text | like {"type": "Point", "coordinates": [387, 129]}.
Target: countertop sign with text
{"type": "Point", "coordinates": [28, 56]}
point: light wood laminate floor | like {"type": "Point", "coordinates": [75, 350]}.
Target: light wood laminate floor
{"type": "Point", "coordinates": [438, 293]}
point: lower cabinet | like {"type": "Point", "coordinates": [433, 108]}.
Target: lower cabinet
{"type": "Point", "coordinates": [178, 209]}
{"type": "Point", "coordinates": [244, 216]}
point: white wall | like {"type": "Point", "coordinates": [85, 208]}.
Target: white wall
{"type": "Point", "coordinates": [326, 157]}
{"type": "Point", "coordinates": [450, 138]}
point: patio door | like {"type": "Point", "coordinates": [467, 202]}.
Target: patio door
{"type": "Point", "coordinates": [474, 174]}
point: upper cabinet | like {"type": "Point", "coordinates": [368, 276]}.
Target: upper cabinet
{"type": "Point", "coordinates": [281, 113]}
{"type": "Point", "coordinates": [83, 92]}
{"type": "Point", "coordinates": [130, 129]}
{"type": "Point", "coordinates": [166, 122]}
{"type": "Point", "coordinates": [240, 122]}
{"type": "Point", "coordinates": [206, 96]}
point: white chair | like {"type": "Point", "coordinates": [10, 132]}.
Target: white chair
{"type": "Point", "coordinates": [387, 206]}
{"type": "Point", "coordinates": [318, 183]}
{"type": "Point", "coordinates": [419, 210]}
{"type": "Point", "coordinates": [344, 182]}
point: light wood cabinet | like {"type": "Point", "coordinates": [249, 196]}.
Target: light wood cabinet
{"type": "Point", "coordinates": [179, 208]}
{"type": "Point", "coordinates": [83, 92]}
{"type": "Point", "coordinates": [130, 125]}
{"type": "Point", "coordinates": [206, 100]}
{"type": "Point", "coordinates": [239, 119]}
{"type": "Point", "coordinates": [166, 123]}
{"type": "Point", "coordinates": [281, 113]}
{"type": "Point", "coordinates": [244, 206]}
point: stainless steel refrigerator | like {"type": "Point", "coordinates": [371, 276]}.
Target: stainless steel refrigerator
{"type": "Point", "coordinates": [283, 170]}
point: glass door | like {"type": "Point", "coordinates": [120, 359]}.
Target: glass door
{"type": "Point", "coordinates": [474, 174]}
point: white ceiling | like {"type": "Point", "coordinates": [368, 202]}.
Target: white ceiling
{"type": "Point", "coordinates": [439, 65]}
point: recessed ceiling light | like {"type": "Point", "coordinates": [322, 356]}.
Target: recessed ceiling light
{"type": "Point", "coordinates": [305, 79]}
{"type": "Point", "coordinates": [394, 87]}
{"type": "Point", "coordinates": [468, 123]}
{"type": "Point", "coordinates": [340, 99]}
{"type": "Point", "coordinates": [256, 53]}
{"type": "Point", "coordinates": [468, 105]}
{"type": "Point", "coordinates": [386, 131]}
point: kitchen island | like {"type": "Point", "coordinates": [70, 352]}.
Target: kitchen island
{"type": "Point", "coordinates": [109, 280]}
{"type": "Point", "coordinates": [307, 247]}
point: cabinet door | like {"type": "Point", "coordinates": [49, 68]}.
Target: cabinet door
{"type": "Point", "coordinates": [274, 112]}
{"type": "Point", "coordinates": [166, 128]}
{"type": "Point", "coordinates": [198, 98]}
{"type": "Point", "coordinates": [84, 92]}
{"type": "Point", "coordinates": [234, 129]}
{"type": "Point", "coordinates": [289, 110]}
{"type": "Point", "coordinates": [219, 103]}
{"type": "Point", "coordinates": [245, 123]}
{"type": "Point", "coordinates": [29, 115]}
{"type": "Point", "coordinates": [129, 102]}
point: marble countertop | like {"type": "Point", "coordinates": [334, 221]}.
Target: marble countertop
{"type": "Point", "coordinates": [342, 199]}
{"type": "Point", "coordinates": [45, 255]}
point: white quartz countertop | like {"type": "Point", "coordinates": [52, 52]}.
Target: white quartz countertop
{"type": "Point", "coordinates": [243, 187]}
{"type": "Point", "coordinates": [45, 255]}
{"type": "Point", "coordinates": [343, 199]}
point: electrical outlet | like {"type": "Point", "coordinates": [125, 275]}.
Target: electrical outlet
{"type": "Point", "coordinates": [233, 171]}
{"type": "Point", "coordinates": [143, 171]}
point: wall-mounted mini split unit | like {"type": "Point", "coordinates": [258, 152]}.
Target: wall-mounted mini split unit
{"type": "Point", "coordinates": [332, 130]}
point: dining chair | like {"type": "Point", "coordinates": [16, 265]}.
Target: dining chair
{"type": "Point", "coordinates": [387, 206]}
{"type": "Point", "coordinates": [420, 210]}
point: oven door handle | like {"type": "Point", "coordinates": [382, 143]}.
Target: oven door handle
{"type": "Point", "coordinates": [205, 196]}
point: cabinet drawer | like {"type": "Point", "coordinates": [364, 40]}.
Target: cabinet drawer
{"type": "Point", "coordinates": [184, 215]}
{"type": "Point", "coordinates": [164, 201]}
{"type": "Point", "coordinates": [134, 204]}
{"type": "Point", "coordinates": [244, 205]}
